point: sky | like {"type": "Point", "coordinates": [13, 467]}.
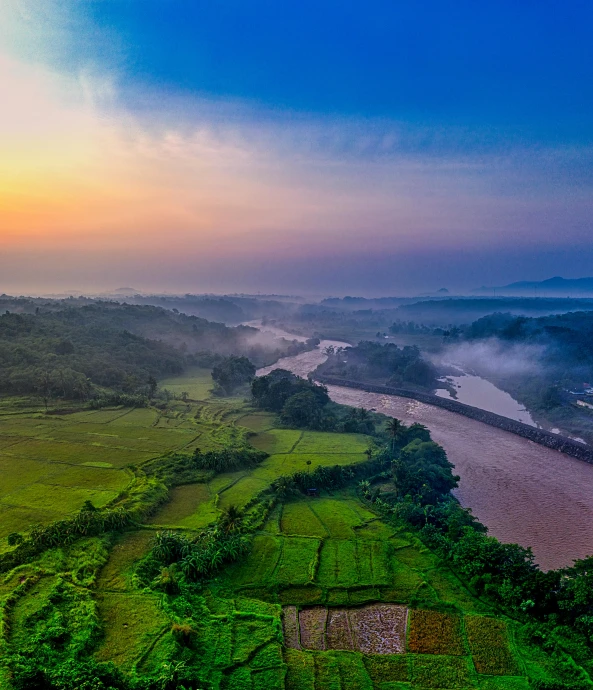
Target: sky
{"type": "Point", "coordinates": [323, 147]}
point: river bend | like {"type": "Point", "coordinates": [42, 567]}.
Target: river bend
{"type": "Point", "coordinates": [523, 492]}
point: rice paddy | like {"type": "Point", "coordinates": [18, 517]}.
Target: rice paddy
{"type": "Point", "coordinates": [50, 465]}
{"type": "Point", "coordinates": [329, 597]}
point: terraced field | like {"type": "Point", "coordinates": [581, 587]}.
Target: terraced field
{"type": "Point", "coordinates": [329, 597]}
{"type": "Point", "coordinates": [196, 506]}
{"type": "Point", "coordinates": [50, 464]}
{"type": "Point", "coordinates": [365, 605]}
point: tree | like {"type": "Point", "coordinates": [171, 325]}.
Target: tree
{"type": "Point", "coordinates": [232, 373]}
{"type": "Point", "coordinates": [272, 391]}
{"type": "Point", "coordinates": [302, 410]}
{"type": "Point", "coordinates": [231, 520]}
{"type": "Point", "coordinates": [423, 471]}
{"type": "Point", "coordinates": [152, 386]}
{"type": "Point", "coordinates": [45, 385]}
{"type": "Point", "coordinates": [394, 428]}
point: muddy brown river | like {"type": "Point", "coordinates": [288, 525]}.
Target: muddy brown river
{"type": "Point", "coordinates": [525, 493]}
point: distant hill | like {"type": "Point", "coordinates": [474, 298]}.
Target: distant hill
{"type": "Point", "coordinates": [552, 286]}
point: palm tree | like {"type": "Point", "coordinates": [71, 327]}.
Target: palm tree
{"type": "Point", "coordinates": [394, 427]}
{"type": "Point", "coordinates": [231, 519]}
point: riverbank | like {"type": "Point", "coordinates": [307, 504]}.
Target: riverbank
{"type": "Point", "coordinates": [524, 492]}
{"type": "Point", "coordinates": [543, 438]}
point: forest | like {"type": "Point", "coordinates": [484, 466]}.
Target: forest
{"type": "Point", "coordinates": [93, 350]}
{"type": "Point", "coordinates": [384, 363]}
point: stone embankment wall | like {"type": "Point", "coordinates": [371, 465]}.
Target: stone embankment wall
{"type": "Point", "coordinates": [544, 438]}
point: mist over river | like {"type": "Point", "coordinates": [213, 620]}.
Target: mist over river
{"type": "Point", "coordinates": [523, 492]}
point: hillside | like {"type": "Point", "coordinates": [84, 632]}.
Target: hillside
{"type": "Point", "coordinates": [66, 351]}
{"type": "Point", "coordinates": [193, 578]}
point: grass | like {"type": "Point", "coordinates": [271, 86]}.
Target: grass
{"type": "Point", "coordinates": [196, 382]}
{"type": "Point", "coordinates": [131, 623]}
{"type": "Point", "coordinates": [441, 672]}
{"type": "Point", "coordinates": [489, 645]}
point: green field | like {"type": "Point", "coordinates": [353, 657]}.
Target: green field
{"type": "Point", "coordinates": [50, 465]}
{"type": "Point", "coordinates": [329, 596]}
{"type": "Point", "coordinates": [197, 383]}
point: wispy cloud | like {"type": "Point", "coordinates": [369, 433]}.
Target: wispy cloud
{"type": "Point", "coordinates": [88, 171]}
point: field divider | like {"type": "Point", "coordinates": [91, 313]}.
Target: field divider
{"type": "Point", "coordinates": [231, 484]}
{"type": "Point", "coordinates": [325, 527]}
{"type": "Point", "coordinates": [158, 637]}
{"type": "Point", "coordinates": [314, 564]}
{"type": "Point", "coordinates": [126, 412]}
{"type": "Point", "coordinates": [295, 444]}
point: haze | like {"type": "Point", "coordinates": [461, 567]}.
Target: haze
{"type": "Point", "coordinates": [349, 148]}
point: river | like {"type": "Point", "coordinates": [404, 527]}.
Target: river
{"type": "Point", "coordinates": [478, 392]}
{"type": "Point", "coordinates": [525, 493]}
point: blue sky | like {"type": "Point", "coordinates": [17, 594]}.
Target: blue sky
{"type": "Point", "coordinates": [447, 140]}
{"type": "Point", "coordinates": [523, 65]}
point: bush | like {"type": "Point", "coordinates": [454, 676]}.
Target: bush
{"type": "Point", "coordinates": [232, 373]}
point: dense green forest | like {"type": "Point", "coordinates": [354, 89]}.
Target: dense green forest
{"type": "Point", "coordinates": [68, 351]}
{"type": "Point", "coordinates": [382, 363]}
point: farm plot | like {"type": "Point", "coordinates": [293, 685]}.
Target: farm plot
{"type": "Point", "coordinates": [116, 574]}
{"type": "Point", "coordinates": [387, 669]}
{"type": "Point", "coordinates": [312, 624]}
{"type": "Point", "coordinates": [298, 518]}
{"type": "Point", "coordinates": [75, 453]}
{"type": "Point", "coordinates": [32, 491]}
{"type": "Point", "coordinates": [373, 629]}
{"type": "Point", "coordinates": [196, 382]}
{"type": "Point", "coordinates": [442, 672]}
{"type": "Point", "coordinates": [257, 421]}
{"type": "Point", "coordinates": [489, 646]}
{"type": "Point", "coordinates": [354, 563]}
{"type": "Point", "coordinates": [182, 506]}
{"type": "Point", "coordinates": [258, 568]}
{"type": "Point", "coordinates": [339, 517]}
{"type": "Point", "coordinates": [242, 491]}
{"type": "Point", "coordinates": [298, 561]}
{"type": "Point", "coordinates": [433, 632]}
{"type": "Point", "coordinates": [379, 628]}
{"type": "Point", "coordinates": [328, 443]}
{"type": "Point", "coordinates": [276, 441]}
{"type": "Point", "coordinates": [132, 623]}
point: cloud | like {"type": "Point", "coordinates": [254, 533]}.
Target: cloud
{"type": "Point", "coordinates": [93, 176]}
{"type": "Point", "coordinates": [494, 358]}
